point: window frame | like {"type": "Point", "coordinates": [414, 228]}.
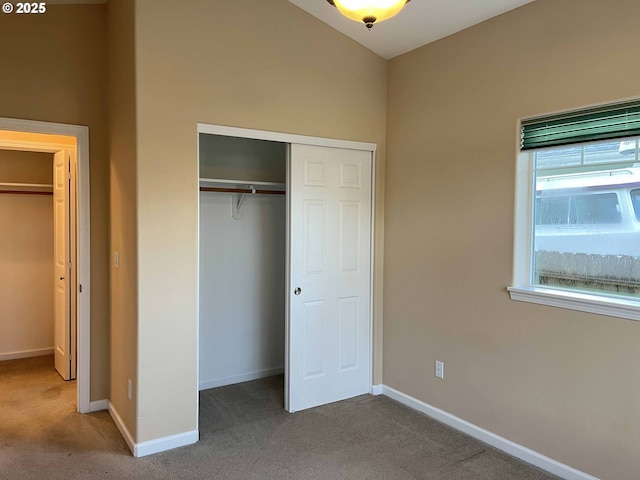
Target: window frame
{"type": "Point", "coordinates": [523, 288]}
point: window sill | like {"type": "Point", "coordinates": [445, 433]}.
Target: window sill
{"type": "Point", "coordinates": [584, 302]}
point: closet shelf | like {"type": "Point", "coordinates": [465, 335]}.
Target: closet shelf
{"type": "Point", "coordinates": [26, 189]}
{"type": "Point", "coordinates": [241, 188]}
{"type": "Point", "coordinates": [226, 183]}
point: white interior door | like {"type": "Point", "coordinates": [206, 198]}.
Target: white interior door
{"type": "Point", "coordinates": [62, 271]}
{"type": "Point", "coordinates": [72, 208]}
{"type": "Point", "coordinates": [329, 315]}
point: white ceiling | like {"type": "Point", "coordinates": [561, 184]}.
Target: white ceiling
{"type": "Point", "coordinates": [421, 22]}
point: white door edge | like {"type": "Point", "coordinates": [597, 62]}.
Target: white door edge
{"type": "Point", "coordinates": [83, 236]}
{"type": "Point", "coordinates": [372, 236]}
{"type": "Point", "coordinates": [287, 282]}
{"type": "Point", "coordinates": [197, 426]}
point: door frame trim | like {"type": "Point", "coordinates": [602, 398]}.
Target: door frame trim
{"type": "Point", "coordinates": [83, 236]}
{"type": "Point", "coordinates": [288, 138]}
{"type": "Point", "coordinates": [284, 137]}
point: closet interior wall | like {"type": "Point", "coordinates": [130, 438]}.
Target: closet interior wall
{"type": "Point", "coordinates": [242, 260]}
{"type": "Point", "coordinates": [26, 256]}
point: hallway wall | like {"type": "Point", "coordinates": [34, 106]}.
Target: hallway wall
{"type": "Point", "coordinates": [56, 70]}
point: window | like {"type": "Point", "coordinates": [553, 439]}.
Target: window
{"type": "Point", "coordinates": [577, 209]}
{"type": "Point", "coordinates": [577, 239]}
{"type": "Point", "coordinates": [635, 198]}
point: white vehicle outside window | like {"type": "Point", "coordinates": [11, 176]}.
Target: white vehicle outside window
{"type": "Point", "coordinates": [577, 238]}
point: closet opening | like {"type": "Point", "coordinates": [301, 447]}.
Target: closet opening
{"type": "Point", "coordinates": [285, 272]}
{"type": "Point", "coordinates": [26, 243]}
{"type": "Point", "coordinates": [242, 249]}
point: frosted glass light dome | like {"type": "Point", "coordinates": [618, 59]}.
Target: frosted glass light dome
{"type": "Point", "coordinates": [369, 11]}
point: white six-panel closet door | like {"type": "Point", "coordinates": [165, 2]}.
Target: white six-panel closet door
{"type": "Point", "coordinates": [330, 275]}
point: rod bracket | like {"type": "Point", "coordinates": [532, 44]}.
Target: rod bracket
{"type": "Point", "coordinates": [237, 200]}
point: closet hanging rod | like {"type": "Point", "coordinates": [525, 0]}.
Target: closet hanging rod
{"type": "Point", "coordinates": [242, 190]}
{"type": "Point", "coordinates": [25, 185]}
{"type": "Point", "coordinates": [15, 188]}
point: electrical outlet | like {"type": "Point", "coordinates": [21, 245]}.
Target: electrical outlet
{"type": "Point", "coordinates": [439, 369]}
{"type": "Point", "coordinates": [116, 259]}
{"type": "Point", "coordinates": [129, 389]}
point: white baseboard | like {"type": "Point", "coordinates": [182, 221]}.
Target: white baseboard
{"type": "Point", "coordinates": [376, 389]}
{"type": "Point", "coordinates": [501, 443]}
{"type": "Point", "coordinates": [40, 352]}
{"type": "Point", "coordinates": [150, 447]}
{"type": "Point", "coordinates": [124, 431]}
{"type": "Point", "coordinates": [163, 444]}
{"type": "Point", "coordinates": [245, 377]}
{"type": "Point", "coordinates": [98, 406]}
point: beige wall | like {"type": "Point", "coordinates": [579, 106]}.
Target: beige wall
{"type": "Point", "coordinates": [122, 140]}
{"type": "Point", "coordinates": [54, 69]}
{"type": "Point", "coordinates": [26, 256]}
{"type": "Point", "coordinates": [260, 65]}
{"type": "Point", "coordinates": [563, 383]}
{"type": "Point", "coordinates": [25, 167]}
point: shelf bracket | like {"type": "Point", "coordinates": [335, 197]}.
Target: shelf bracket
{"type": "Point", "coordinates": [238, 200]}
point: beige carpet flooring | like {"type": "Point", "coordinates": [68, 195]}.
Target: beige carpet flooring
{"type": "Point", "coordinates": [244, 434]}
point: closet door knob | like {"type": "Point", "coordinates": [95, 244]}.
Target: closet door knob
{"type": "Point", "coordinates": [61, 278]}
{"type": "Point", "coordinates": [297, 291]}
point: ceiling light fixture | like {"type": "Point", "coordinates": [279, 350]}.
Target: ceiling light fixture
{"type": "Point", "coordinates": [369, 11]}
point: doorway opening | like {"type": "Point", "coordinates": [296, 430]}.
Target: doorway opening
{"type": "Point", "coordinates": [61, 200]}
